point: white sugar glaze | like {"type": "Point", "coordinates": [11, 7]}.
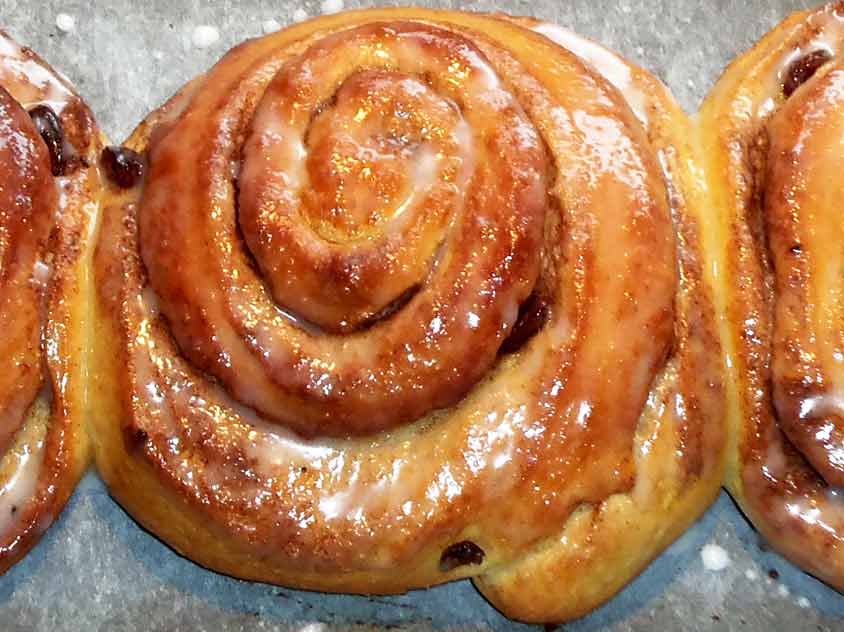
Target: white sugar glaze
{"type": "Point", "coordinates": [20, 468]}
{"type": "Point", "coordinates": [609, 65]}
{"type": "Point", "coordinates": [28, 80]}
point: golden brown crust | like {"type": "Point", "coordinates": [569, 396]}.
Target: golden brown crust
{"type": "Point", "coordinates": [771, 144]}
{"type": "Point", "coordinates": [48, 450]}
{"type": "Point", "coordinates": [607, 416]}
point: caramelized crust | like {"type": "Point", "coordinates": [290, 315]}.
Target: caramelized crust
{"type": "Point", "coordinates": [772, 129]}
{"type": "Point", "coordinates": [302, 308]}
{"type": "Point", "coordinates": [48, 207]}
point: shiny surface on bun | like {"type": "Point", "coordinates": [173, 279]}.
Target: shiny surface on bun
{"type": "Point", "coordinates": [406, 296]}
{"type": "Point", "coordinates": [49, 187]}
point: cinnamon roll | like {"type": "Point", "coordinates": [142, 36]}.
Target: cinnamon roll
{"type": "Point", "coordinates": [49, 187]}
{"type": "Point", "coordinates": [396, 297]}
{"type": "Point", "coordinates": [772, 131]}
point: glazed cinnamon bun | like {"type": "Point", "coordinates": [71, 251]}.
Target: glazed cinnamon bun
{"type": "Point", "coordinates": [395, 297]}
{"type": "Point", "coordinates": [49, 187]}
{"type": "Point", "coordinates": [772, 130]}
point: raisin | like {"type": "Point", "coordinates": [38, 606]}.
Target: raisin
{"type": "Point", "coordinates": [123, 166]}
{"type": "Point", "coordinates": [801, 70]}
{"type": "Point", "coordinates": [50, 128]}
{"type": "Point", "coordinates": [461, 554]}
{"type": "Point", "coordinates": [135, 438]}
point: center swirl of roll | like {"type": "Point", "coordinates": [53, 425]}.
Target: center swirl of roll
{"type": "Point", "coordinates": [346, 208]}
{"type": "Point", "coordinates": [373, 214]}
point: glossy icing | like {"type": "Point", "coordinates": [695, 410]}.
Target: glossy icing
{"type": "Point", "coordinates": [609, 65]}
{"type": "Point", "coordinates": [30, 80]}
{"type": "Point", "coordinates": [804, 233]}
{"type": "Point", "coordinates": [46, 223]}
{"type": "Point", "coordinates": [319, 384]}
{"type": "Point", "coordinates": [780, 146]}
{"type": "Point", "coordinates": [27, 199]}
{"type": "Point", "coordinates": [542, 172]}
{"type": "Point", "coordinates": [20, 469]}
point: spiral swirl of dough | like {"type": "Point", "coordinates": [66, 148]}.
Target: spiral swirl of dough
{"type": "Point", "coordinates": [49, 187]}
{"type": "Point", "coordinates": [402, 296]}
{"type": "Point", "coordinates": [772, 130]}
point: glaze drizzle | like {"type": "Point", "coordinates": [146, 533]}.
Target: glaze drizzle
{"type": "Point", "coordinates": [48, 205]}
{"type": "Point", "coordinates": [375, 202]}
{"type": "Point", "coordinates": [777, 139]}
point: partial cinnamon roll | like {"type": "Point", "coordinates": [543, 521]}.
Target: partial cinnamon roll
{"type": "Point", "coordinates": [772, 131]}
{"type": "Point", "coordinates": [49, 200]}
{"type": "Point", "coordinates": [396, 297]}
